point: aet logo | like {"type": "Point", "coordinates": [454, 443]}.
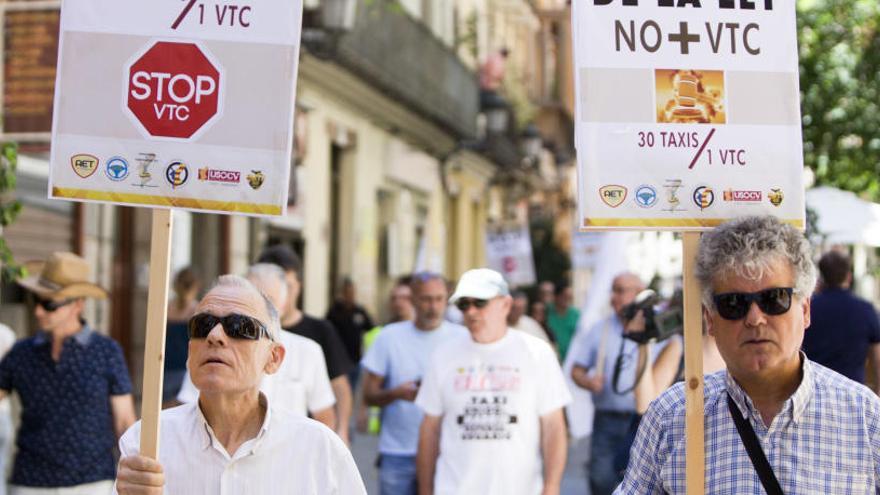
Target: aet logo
{"type": "Point", "coordinates": [84, 165]}
{"type": "Point", "coordinates": [613, 195]}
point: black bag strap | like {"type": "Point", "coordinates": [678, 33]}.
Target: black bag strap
{"type": "Point", "coordinates": [753, 447]}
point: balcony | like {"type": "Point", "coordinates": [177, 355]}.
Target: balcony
{"type": "Point", "coordinates": [400, 56]}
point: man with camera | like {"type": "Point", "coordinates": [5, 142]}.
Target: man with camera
{"type": "Point", "coordinates": [775, 422]}
{"type": "Point", "coordinates": [608, 366]}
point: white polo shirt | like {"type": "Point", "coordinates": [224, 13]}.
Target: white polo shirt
{"type": "Point", "coordinates": [291, 454]}
{"type": "Point", "coordinates": [300, 385]}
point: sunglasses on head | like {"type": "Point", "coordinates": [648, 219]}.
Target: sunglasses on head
{"type": "Point", "coordinates": [50, 306]}
{"type": "Point", "coordinates": [235, 325]}
{"type": "Point", "coordinates": [465, 304]}
{"type": "Point", "coordinates": [735, 305]}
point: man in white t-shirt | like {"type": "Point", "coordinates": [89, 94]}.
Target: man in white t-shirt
{"type": "Point", "coordinates": [493, 403]}
{"type": "Point", "coordinates": [395, 365]}
{"type": "Point", "coordinates": [301, 385]}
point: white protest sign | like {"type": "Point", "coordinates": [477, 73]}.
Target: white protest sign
{"type": "Point", "coordinates": [174, 103]}
{"type": "Point", "coordinates": [509, 252]}
{"type": "Point", "coordinates": [688, 113]}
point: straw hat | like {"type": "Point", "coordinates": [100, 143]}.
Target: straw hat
{"type": "Point", "coordinates": [63, 276]}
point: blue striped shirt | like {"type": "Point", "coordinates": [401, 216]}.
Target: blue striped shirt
{"type": "Point", "coordinates": [826, 440]}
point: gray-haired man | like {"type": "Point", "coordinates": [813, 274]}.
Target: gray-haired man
{"type": "Point", "coordinates": [232, 440]}
{"type": "Point", "coordinates": [817, 431]}
{"type": "Point", "coordinates": [301, 385]}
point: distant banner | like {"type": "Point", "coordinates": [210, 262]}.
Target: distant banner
{"type": "Point", "coordinates": [171, 103]}
{"type": "Point", "coordinates": [688, 113]}
{"type": "Point", "coordinates": [585, 248]}
{"type": "Point", "coordinates": [509, 252]}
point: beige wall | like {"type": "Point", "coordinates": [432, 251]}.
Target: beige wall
{"type": "Point", "coordinates": [469, 206]}
{"type": "Point", "coordinates": [375, 161]}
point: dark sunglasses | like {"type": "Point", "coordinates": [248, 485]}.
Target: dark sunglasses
{"type": "Point", "coordinates": [735, 305]}
{"type": "Point", "coordinates": [465, 304]}
{"type": "Point", "coordinates": [235, 325]}
{"type": "Point", "coordinates": [50, 306]}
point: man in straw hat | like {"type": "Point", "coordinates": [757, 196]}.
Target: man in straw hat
{"type": "Point", "coordinates": [74, 388]}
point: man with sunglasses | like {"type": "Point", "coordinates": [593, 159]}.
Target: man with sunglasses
{"type": "Point", "coordinates": [775, 422]}
{"type": "Point", "coordinates": [493, 402]}
{"type": "Point", "coordinates": [233, 440]}
{"type": "Point", "coordinates": [301, 385]}
{"type": "Point", "coordinates": [73, 384]}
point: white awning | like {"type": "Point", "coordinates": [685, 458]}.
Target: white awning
{"type": "Point", "coordinates": [844, 218]}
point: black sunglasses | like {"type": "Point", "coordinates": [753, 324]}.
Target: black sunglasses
{"type": "Point", "coordinates": [735, 305]}
{"type": "Point", "coordinates": [465, 304]}
{"type": "Point", "coordinates": [235, 325]}
{"type": "Point", "coordinates": [50, 306]}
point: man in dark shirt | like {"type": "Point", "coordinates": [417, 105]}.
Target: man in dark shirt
{"type": "Point", "coordinates": [844, 329]}
{"type": "Point", "coordinates": [351, 321]}
{"type": "Point", "coordinates": [295, 321]}
{"type": "Point", "coordinates": [73, 384]}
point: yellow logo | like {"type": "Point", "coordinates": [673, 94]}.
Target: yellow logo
{"type": "Point", "coordinates": [84, 165]}
{"type": "Point", "coordinates": [612, 195]}
{"type": "Point", "coordinates": [775, 196]}
{"type": "Point", "coordinates": [256, 179]}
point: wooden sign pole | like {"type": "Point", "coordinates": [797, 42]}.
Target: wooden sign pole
{"type": "Point", "coordinates": [695, 461]}
{"type": "Point", "coordinates": [154, 347]}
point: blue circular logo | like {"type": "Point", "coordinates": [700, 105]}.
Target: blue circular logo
{"type": "Point", "coordinates": [176, 174]}
{"type": "Point", "coordinates": [646, 196]}
{"type": "Point", "coordinates": [117, 169]}
{"type": "Point", "coordinates": [704, 196]}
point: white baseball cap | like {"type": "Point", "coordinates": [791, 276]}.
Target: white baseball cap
{"type": "Point", "coordinates": [481, 283]}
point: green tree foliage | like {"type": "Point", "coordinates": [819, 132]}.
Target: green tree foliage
{"type": "Point", "coordinates": [840, 92]}
{"type": "Point", "coordinates": [9, 209]}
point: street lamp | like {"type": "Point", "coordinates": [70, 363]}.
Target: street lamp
{"type": "Point", "coordinates": [338, 15]}
{"type": "Point", "coordinates": [497, 114]}
{"type": "Point", "coordinates": [531, 142]}
{"type": "Point", "coordinates": [325, 23]}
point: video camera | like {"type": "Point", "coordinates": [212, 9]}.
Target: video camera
{"type": "Point", "coordinates": [661, 320]}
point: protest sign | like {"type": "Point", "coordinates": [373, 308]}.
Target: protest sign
{"type": "Point", "coordinates": [509, 252]}
{"type": "Point", "coordinates": [176, 104]}
{"type": "Point", "coordinates": [688, 113]}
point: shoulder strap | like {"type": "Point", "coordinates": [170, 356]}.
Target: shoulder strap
{"type": "Point", "coordinates": [753, 447]}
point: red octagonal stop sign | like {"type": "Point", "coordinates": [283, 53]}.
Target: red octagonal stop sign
{"type": "Point", "coordinates": [174, 90]}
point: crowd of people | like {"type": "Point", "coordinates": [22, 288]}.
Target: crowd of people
{"type": "Point", "coordinates": [462, 383]}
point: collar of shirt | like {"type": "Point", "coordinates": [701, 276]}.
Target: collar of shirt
{"type": "Point", "coordinates": [248, 447]}
{"type": "Point", "coordinates": [81, 337]}
{"type": "Point", "coordinates": [794, 406]}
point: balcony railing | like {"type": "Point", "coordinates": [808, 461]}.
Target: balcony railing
{"type": "Point", "coordinates": [402, 58]}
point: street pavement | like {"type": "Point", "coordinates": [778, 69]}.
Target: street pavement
{"type": "Point", "coordinates": [364, 448]}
